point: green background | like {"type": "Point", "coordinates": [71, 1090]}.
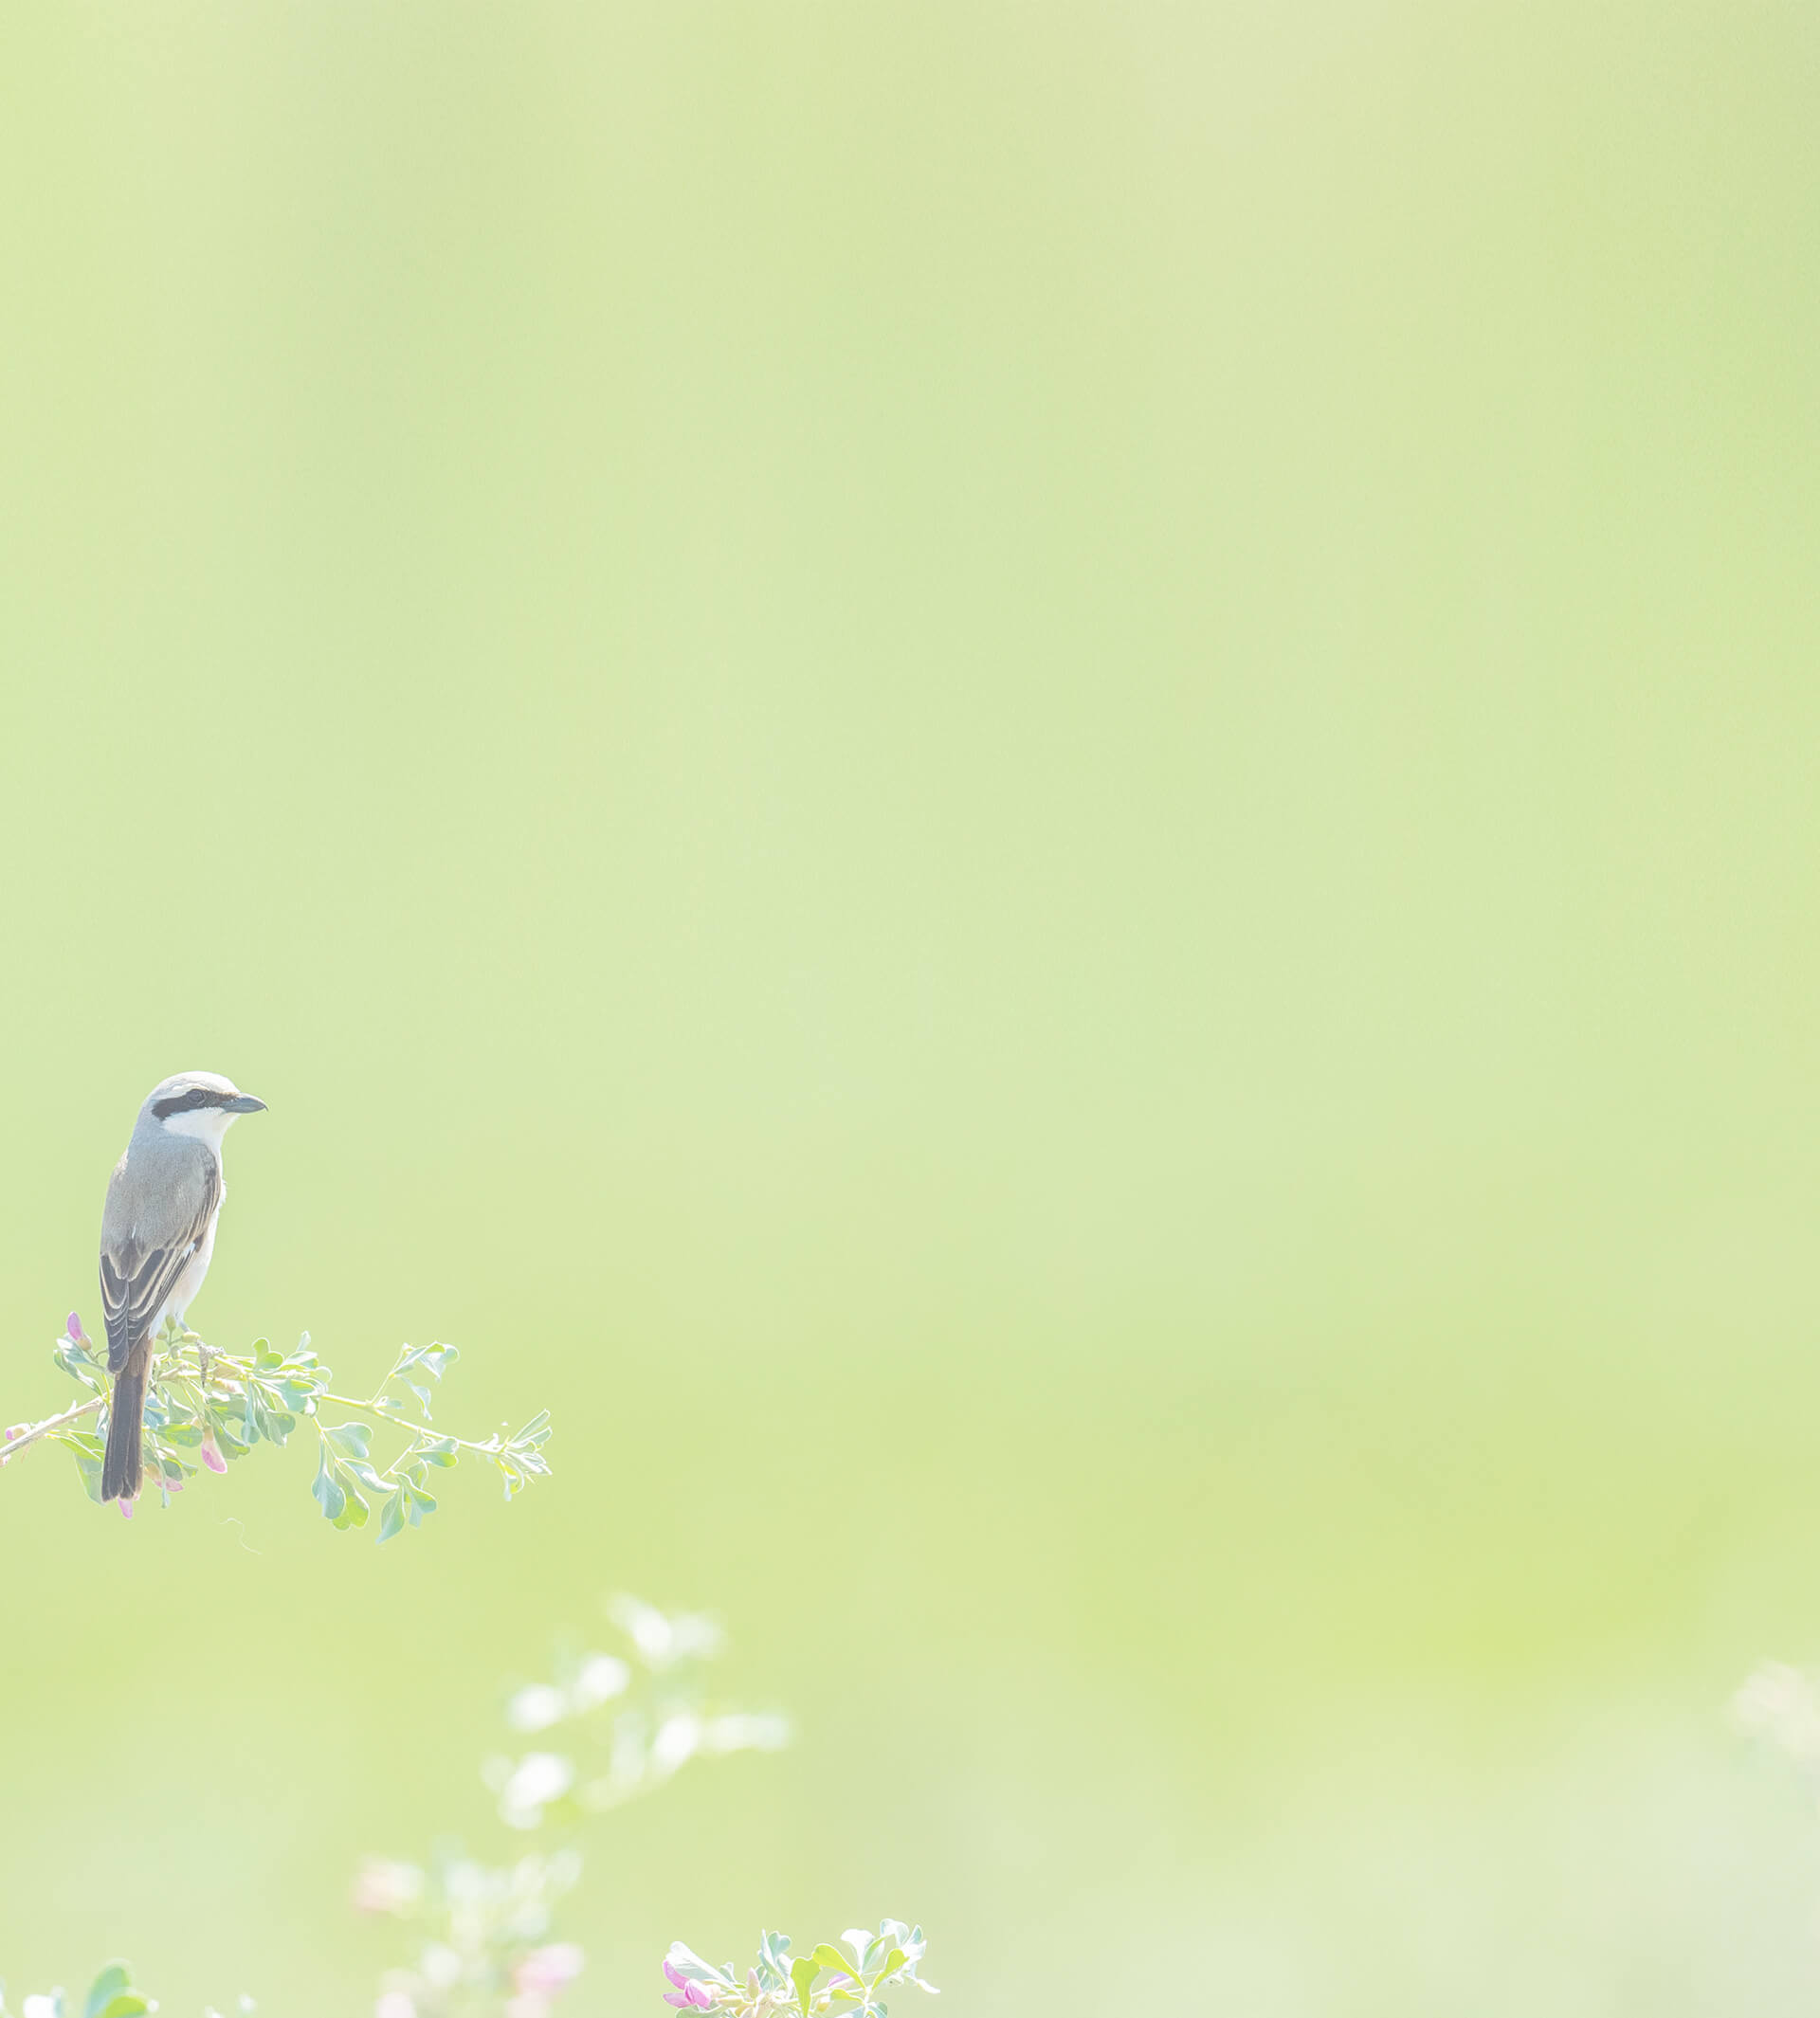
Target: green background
{"type": "Point", "coordinates": [1032, 791]}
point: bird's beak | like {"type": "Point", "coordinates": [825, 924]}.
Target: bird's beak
{"type": "Point", "coordinates": [245, 1103]}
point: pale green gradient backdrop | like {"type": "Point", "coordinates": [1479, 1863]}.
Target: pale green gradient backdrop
{"type": "Point", "coordinates": [1031, 789]}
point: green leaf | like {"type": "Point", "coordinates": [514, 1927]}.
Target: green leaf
{"type": "Point", "coordinates": [354, 1515]}
{"type": "Point", "coordinates": [392, 1518]}
{"type": "Point", "coordinates": [328, 1491]}
{"type": "Point", "coordinates": [438, 1450]}
{"type": "Point", "coordinates": [354, 1439]}
{"type": "Point", "coordinates": [128, 2004]}
{"type": "Point", "coordinates": [827, 1958]}
{"type": "Point", "coordinates": [892, 1963]}
{"type": "Point", "coordinates": [802, 1973]}
{"type": "Point", "coordinates": [421, 1504]}
{"type": "Point", "coordinates": [116, 1977]}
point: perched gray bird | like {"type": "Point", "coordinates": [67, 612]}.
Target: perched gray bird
{"type": "Point", "coordinates": [157, 1239]}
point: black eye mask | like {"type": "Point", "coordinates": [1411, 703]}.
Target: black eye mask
{"type": "Point", "coordinates": [189, 1102]}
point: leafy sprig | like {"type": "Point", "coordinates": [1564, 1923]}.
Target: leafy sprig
{"type": "Point", "coordinates": [111, 1995]}
{"type": "Point", "coordinates": [206, 1408]}
{"type": "Point", "coordinates": [822, 1981]}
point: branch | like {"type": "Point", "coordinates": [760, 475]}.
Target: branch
{"type": "Point", "coordinates": [211, 1407]}
{"type": "Point", "coordinates": [23, 1433]}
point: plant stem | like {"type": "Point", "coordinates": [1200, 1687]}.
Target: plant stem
{"type": "Point", "coordinates": [17, 1444]}
{"type": "Point", "coordinates": [401, 1421]}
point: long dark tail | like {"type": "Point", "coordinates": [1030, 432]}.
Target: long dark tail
{"type": "Point", "coordinates": [124, 1467]}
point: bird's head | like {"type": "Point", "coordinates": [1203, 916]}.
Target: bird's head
{"type": "Point", "coordinates": [198, 1104]}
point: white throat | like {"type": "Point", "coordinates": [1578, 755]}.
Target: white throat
{"type": "Point", "coordinates": [206, 1124]}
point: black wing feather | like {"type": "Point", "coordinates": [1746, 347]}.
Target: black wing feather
{"type": "Point", "coordinates": [135, 1280]}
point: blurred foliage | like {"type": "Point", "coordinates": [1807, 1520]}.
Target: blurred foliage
{"type": "Point", "coordinates": [485, 1947]}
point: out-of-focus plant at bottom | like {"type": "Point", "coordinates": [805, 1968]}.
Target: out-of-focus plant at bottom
{"type": "Point", "coordinates": [612, 1727]}
{"type": "Point", "coordinates": [111, 1995]}
{"type": "Point", "coordinates": [824, 1980]}
{"type": "Point", "coordinates": [1781, 1706]}
{"type": "Point", "coordinates": [486, 1941]}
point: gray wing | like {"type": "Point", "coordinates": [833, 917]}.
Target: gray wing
{"type": "Point", "coordinates": [141, 1261]}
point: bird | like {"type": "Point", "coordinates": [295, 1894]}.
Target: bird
{"type": "Point", "coordinates": [157, 1239]}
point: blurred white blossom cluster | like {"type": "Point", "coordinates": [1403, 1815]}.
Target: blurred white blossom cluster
{"type": "Point", "coordinates": [824, 1980]}
{"type": "Point", "coordinates": [485, 1946]}
{"type": "Point", "coordinates": [1782, 1706]}
{"type": "Point", "coordinates": [626, 1723]}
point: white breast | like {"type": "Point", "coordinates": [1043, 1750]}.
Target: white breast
{"type": "Point", "coordinates": [184, 1289]}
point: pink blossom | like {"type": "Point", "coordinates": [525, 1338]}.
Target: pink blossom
{"type": "Point", "coordinates": [687, 1991]}
{"type": "Point", "coordinates": [545, 1971]}
{"type": "Point", "coordinates": [212, 1452]}
{"type": "Point", "coordinates": [73, 1325]}
{"type": "Point", "coordinates": [126, 1509]}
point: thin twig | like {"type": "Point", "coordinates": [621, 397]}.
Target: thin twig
{"type": "Point", "coordinates": [14, 1445]}
{"type": "Point", "coordinates": [404, 1422]}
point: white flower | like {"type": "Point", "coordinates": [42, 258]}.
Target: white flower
{"type": "Point", "coordinates": [1779, 1702]}
{"type": "Point", "coordinates": [539, 1778]}
{"type": "Point", "coordinates": [602, 1676]}
{"type": "Point", "coordinates": [441, 1966]}
{"type": "Point", "coordinates": [662, 1641]}
{"type": "Point", "coordinates": [382, 1886]}
{"type": "Point", "coordinates": [536, 1708]}
{"type": "Point", "coordinates": [739, 1732]}
{"type": "Point", "coordinates": [50, 2006]}
{"type": "Point", "coordinates": [545, 1971]}
{"type": "Point", "coordinates": [678, 1739]}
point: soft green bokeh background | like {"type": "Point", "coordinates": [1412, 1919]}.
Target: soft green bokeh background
{"type": "Point", "coordinates": [1032, 789]}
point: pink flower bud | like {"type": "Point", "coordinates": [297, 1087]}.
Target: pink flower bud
{"type": "Point", "coordinates": [687, 1992]}
{"type": "Point", "coordinates": [212, 1452]}
{"type": "Point", "coordinates": [126, 1509]}
{"type": "Point", "coordinates": [73, 1325]}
